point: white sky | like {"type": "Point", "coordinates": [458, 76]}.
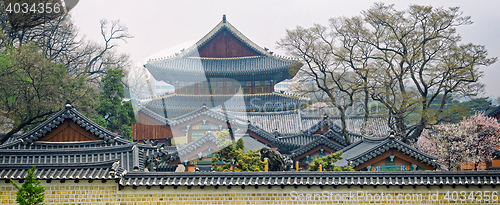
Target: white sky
{"type": "Point", "coordinates": [158, 25]}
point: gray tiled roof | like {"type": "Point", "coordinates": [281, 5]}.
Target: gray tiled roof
{"type": "Point", "coordinates": [368, 148]}
{"type": "Point", "coordinates": [393, 178]}
{"type": "Point", "coordinates": [65, 171]}
{"type": "Point", "coordinates": [213, 113]}
{"type": "Point", "coordinates": [112, 152]}
{"type": "Point", "coordinates": [226, 66]}
{"type": "Point", "coordinates": [321, 140]}
{"type": "Point", "coordinates": [268, 120]}
{"type": "Point", "coordinates": [285, 122]}
{"type": "Point", "coordinates": [293, 122]}
{"type": "Point", "coordinates": [307, 136]}
{"type": "Point", "coordinates": [67, 113]}
{"type": "Point", "coordinates": [208, 137]}
{"type": "Point", "coordinates": [332, 135]}
{"type": "Point", "coordinates": [184, 150]}
{"type": "Point", "coordinates": [263, 133]}
{"type": "Point", "coordinates": [251, 143]}
{"type": "Point", "coordinates": [83, 154]}
{"type": "Point", "coordinates": [491, 111]}
{"type": "Point", "coordinates": [156, 116]}
{"type": "Point", "coordinates": [376, 125]}
{"type": "Point", "coordinates": [179, 104]}
{"type": "Point", "coordinates": [263, 61]}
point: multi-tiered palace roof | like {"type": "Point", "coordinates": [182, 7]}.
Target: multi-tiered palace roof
{"type": "Point", "coordinates": [224, 57]}
{"type": "Point", "coordinates": [225, 69]}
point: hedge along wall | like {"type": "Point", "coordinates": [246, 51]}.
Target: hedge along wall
{"type": "Point", "coordinates": [109, 193]}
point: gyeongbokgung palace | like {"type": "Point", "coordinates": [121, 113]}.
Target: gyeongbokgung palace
{"type": "Point", "coordinates": [226, 82]}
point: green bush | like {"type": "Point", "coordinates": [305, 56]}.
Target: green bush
{"type": "Point", "coordinates": [30, 192]}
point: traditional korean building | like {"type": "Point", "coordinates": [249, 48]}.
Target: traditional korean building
{"type": "Point", "coordinates": [79, 162]}
{"type": "Point", "coordinates": [225, 82]}
{"type": "Point", "coordinates": [70, 146]}
{"type": "Point", "coordinates": [223, 79]}
{"type": "Point", "coordinates": [223, 62]}
{"type": "Point", "coordinates": [320, 138]}
{"type": "Point", "coordinates": [493, 111]}
{"type": "Point", "coordinates": [385, 154]}
{"type": "Point", "coordinates": [227, 69]}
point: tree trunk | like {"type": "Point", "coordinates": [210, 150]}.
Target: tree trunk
{"type": "Point", "coordinates": [21, 126]}
{"type": "Point", "coordinates": [400, 127]}
{"type": "Point", "coordinates": [344, 126]}
{"type": "Point", "coordinates": [367, 111]}
{"type": "Point", "coordinates": [416, 133]}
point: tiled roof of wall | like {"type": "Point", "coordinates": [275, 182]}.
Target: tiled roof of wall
{"type": "Point", "coordinates": [67, 171]}
{"type": "Point", "coordinates": [393, 178]}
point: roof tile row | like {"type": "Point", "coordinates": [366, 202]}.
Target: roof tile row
{"type": "Point", "coordinates": [403, 178]}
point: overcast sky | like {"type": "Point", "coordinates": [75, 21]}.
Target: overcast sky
{"type": "Point", "coordinates": [159, 25]}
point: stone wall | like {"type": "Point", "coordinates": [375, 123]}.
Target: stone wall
{"type": "Point", "coordinates": [109, 193]}
{"type": "Point", "coordinates": [68, 192]}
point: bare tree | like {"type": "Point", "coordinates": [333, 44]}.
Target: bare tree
{"type": "Point", "coordinates": [59, 41]}
{"type": "Point", "coordinates": [316, 48]}
{"type": "Point", "coordinates": [418, 53]}
{"type": "Point", "coordinates": [356, 55]}
{"type": "Point", "coordinates": [138, 82]}
{"type": "Point", "coordinates": [93, 59]}
{"type": "Point", "coordinates": [406, 60]}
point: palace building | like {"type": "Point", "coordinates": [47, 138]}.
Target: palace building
{"type": "Point", "coordinates": [223, 62]}
{"type": "Point", "coordinates": [227, 73]}
{"type": "Point", "coordinates": [79, 162]}
{"type": "Point", "coordinates": [225, 82]}
{"type": "Point", "coordinates": [224, 69]}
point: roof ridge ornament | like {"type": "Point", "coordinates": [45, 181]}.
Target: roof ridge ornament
{"type": "Point", "coordinates": [68, 104]}
{"type": "Point", "coordinates": [391, 135]}
{"type": "Point", "coordinates": [224, 18]}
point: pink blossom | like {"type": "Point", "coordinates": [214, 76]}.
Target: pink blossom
{"type": "Point", "coordinates": [473, 140]}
